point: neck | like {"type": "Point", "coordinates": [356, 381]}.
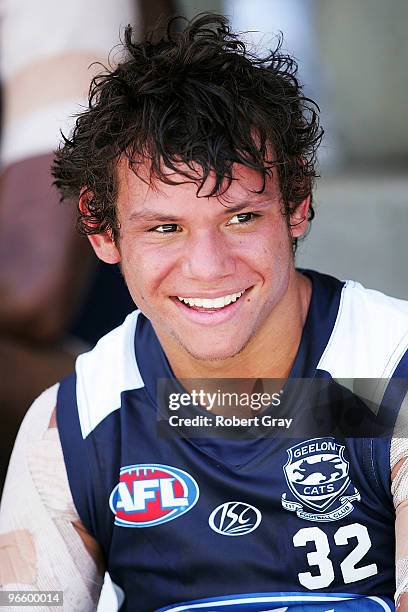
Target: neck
{"type": "Point", "coordinates": [270, 354]}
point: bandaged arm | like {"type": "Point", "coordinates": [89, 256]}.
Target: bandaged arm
{"type": "Point", "coordinates": [43, 545]}
{"type": "Point", "coordinates": [399, 489]}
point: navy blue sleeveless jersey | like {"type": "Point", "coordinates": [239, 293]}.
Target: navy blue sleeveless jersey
{"type": "Point", "coordinates": [248, 525]}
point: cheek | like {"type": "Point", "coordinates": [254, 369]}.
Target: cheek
{"type": "Point", "coordinates": [145, 270]}
{"type": "Point", "coordinates": [268, 250]}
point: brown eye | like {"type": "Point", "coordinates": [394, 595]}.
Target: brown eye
{"type": "Point", "coordinates": [243, 218]}
{"type": "Point", "coordinates": [166, 228]}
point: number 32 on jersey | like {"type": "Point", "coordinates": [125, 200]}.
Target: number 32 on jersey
{"type": "Point", "coordinates": [320, 556]}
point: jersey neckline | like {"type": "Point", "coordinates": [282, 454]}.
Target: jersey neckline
{"type": "Point", "coordinates": [239, 454]}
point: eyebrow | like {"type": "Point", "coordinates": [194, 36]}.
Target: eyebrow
{"type": "Point", "coordinates": [151, 216]}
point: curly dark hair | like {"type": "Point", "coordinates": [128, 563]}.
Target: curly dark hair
{"type": "Point", "coordinates": [194, 96]}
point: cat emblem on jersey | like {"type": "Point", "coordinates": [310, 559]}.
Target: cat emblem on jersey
{"type": "Point", "coordinates": [317, 475]}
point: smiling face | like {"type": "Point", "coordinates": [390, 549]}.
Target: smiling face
{"type": "Point", "coordinates": [210, 273]}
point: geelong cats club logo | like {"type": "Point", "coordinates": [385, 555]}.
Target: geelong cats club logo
{"type": "Point", "coordinates": [317, 475]}
{"type": "Point", "coordinates": [151, 494]}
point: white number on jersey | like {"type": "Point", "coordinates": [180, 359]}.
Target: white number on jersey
{"type": "Point", "coordinates": [320, 556]}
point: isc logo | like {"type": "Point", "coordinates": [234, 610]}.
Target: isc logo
{"type": "Point", "coordinates": [150, 494]}
{"type": "Point", "coordinates": [234, 519]}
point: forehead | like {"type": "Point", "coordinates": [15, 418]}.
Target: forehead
{"type": "Point", "coordinates": [138, 191]}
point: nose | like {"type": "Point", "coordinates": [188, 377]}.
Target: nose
{"type": "Point", "coordinates": [208, 257]}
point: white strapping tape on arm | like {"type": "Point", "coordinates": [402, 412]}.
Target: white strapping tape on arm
{"type": "Point", "coordinates": [399, 490]}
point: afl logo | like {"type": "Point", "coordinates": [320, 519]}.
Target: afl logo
{"type": "Point", "coordinates": [234, 519]}
{"type": "Point", "coordinates": [151, 494]}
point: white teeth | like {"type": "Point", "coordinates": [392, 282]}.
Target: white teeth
{"type": "Point", "coordinates": [219, 302]}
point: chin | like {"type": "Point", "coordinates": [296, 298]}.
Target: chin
{"type": "Point", "coordinates": [211, 353]}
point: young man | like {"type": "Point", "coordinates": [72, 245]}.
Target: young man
{"type": "Point", "coordinates": [193, 168]}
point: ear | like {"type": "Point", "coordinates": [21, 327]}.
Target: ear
{"type": "Point", "coordinates": [299, 219]}
{"type": "Point", "coordinates": [102, 243]}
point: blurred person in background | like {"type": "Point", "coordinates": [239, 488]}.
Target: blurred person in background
{"type": "Point", "coordinates": [56, 299]}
